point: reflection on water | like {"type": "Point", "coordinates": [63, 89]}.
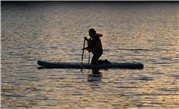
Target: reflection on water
{"type": "Point", "coordinates": [96, 75]}
{"type": "Point", "coordinates": [54, 31]}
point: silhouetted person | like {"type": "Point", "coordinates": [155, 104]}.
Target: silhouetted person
{"type": "Point", "coordinates": [95, 45]}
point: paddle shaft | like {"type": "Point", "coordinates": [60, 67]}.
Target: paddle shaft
{"type": "Point", "coordinates": [82, 52]}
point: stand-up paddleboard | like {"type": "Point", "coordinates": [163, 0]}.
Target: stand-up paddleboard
{"type": "Point", "coordinates": [89, 66]}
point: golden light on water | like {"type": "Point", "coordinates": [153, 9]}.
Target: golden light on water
{"type": "Point", "coordinates": [54, 31]}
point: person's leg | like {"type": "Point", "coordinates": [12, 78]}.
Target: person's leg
{"type": "Point", "coordinates": [104, 61]}
{"type": "Point", "coordinates": [96, 55]}
{"type": "Point", "coordinates": [95, 59]}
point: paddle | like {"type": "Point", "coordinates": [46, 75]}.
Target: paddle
{"type": "Point", "coordinates": [82, 54]}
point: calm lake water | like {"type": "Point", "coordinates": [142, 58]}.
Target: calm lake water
{"type": "Point", "coordinates": [145, 32]}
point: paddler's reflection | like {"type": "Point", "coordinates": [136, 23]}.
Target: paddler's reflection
{"type": "Point", "coordinates": [95, 76]}
{"type": "Point", "coordinates": [96, 71]}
